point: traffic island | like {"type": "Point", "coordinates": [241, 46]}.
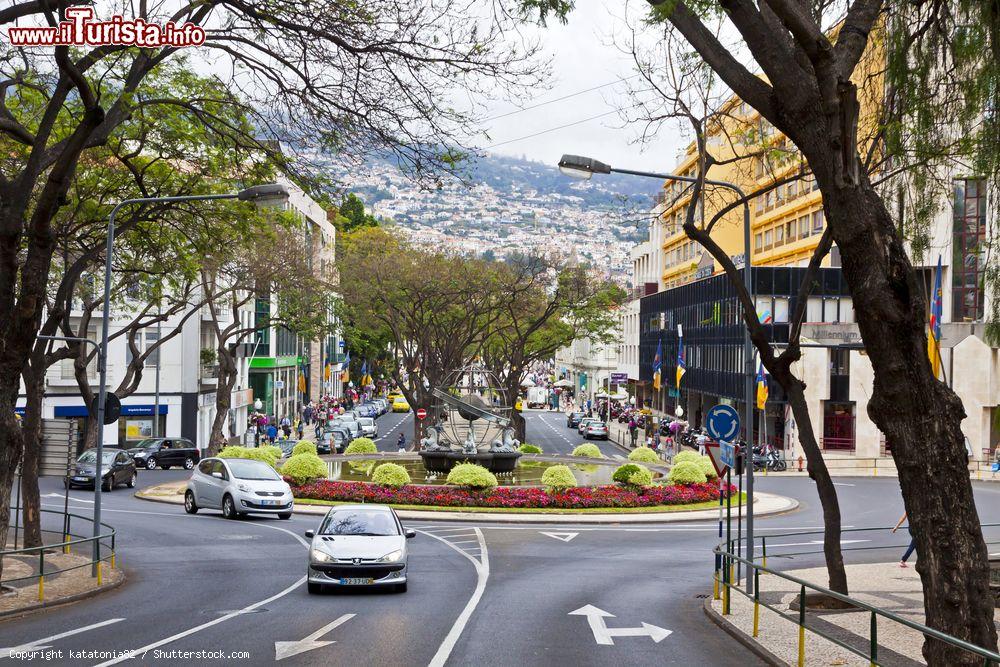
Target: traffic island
{"type": "Point", "coordinates": [67, 579]}
{"type": "Point", "coordinates": [883, 585]}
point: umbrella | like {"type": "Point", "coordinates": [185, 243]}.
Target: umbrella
{"type": "Point", "coordinates": [527, 382]}
{"type": "Point", "coordinates": [563, 383]}
{"type": "Point", "coordinates": [619, 396]}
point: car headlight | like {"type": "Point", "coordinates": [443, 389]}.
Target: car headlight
{"type": "Point", "coordinates": [391, 557]}
{"type": "Point", "coordinates": [243, 487]}
{"type": "Point", "coordinates": [320, 556]}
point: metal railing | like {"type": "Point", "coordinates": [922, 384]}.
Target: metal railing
{"type": "Point", "coordinates": [724, 585]}
{"type": "Point", "coordinates": [70, 542]}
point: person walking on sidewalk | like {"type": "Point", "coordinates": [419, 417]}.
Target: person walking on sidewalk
{"type": "Point", "coordinates": [633, 431]}
{"type": "Point", "coordinates": [913, 542]}
{"type": "Point", "coordinates": [401, 443]}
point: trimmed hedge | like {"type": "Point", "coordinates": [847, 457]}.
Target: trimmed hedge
{"type": "Point", "coordinates": [686, 455]}
{"type": "Point", "coordinates": [529, 449]}
{"type": "Point", "coordinates": [304, 447]}
{"type": "Point", "coordinates": [687, 472]}
{"type": "Point", "coordinates": [391, 474]}
{"type": "Point", "coordinates": [472, 476]}
{"type": "Point", "coordinates": [268, 455]}
{"type": "Point", "coordinates": [644, 455]}
{"type": "Point", "coordinates": [632, 474]}
{"type": "Point", "coordinates": [303, 468]}
{"type": "Point", "coordinates": [361, 446]}
{"type": "Point", "coordinates": [558, 478]}
{"type": "Point", "coordinates": [707, 467]}
{"type": "Point", "coordinates": [588, 449]}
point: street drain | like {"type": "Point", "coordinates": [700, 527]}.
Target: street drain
{"type": "Point", "coordinates": [224, 612]}
{"type": "Point", "coordinates": [702, 596]}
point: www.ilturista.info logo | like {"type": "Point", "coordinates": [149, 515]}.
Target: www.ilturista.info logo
{"type": "Point", "coordinates": [81, 29]}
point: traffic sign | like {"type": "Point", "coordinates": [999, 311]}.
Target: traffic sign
{"type": "Point", "coordinates": [112, 407]}
{"type": "Point", "coordinates": [723, 423]}
{"type": "Point", "coordinates": [421, 413]}
{"type": "Point", "coordinates": [279, 384]}
{"type": "Point", "coordinates": [728, 453]}
{"type": "Point", "coordinates": [715, 454]}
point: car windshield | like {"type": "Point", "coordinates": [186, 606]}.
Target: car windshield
{"type": "Point", "coordinates": [359, 522]}
{"type": "Point", "coordinates": [252, 470]}
{"type": "Point", "coordinates": [148, 443]}
{"type": "Point", "coordinates": [90, 456]}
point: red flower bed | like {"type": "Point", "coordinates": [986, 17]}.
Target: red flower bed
{"type": "Point", "coordinates": [504, 496]}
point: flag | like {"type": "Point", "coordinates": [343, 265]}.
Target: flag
{"type": "Point", "coordinates": [302, 382]}
{"type": "Point", "coordinates": [681, 366]}
{"type": "Point", "coordinates": [326, 372]}
{"type": "Point", "coordinates": [934, 333]}
{"type": "Point", "coordinates": [657, 365]}
{"type": "Point", "coordinates": [366, 379]}
{"type": "Point", "coordinates": [345, 375]}
{"type": "Point", "coordinates": [761, 387]}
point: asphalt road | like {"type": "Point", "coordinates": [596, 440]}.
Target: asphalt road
{"type": "Point", "coordinates": [483, 594]}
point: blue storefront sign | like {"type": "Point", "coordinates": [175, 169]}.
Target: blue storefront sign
{"type": "Point", "coordinates": [127, 410]}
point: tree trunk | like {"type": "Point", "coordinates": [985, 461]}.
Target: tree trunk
{"type": "Point", "coordinates": [11, 443]}
{"type": "Point", "coordinates": [920, 417]}
{"type": "Point", "coordinates": [32, 431]}
{"type": "Point", "coordinates": [223, 399]}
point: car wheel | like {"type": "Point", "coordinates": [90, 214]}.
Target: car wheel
{"type": "Point", "coordinates": [285, 515]}
{"type": "Point", "coordinates": [133, 480]}
{"type": "Point", "coordinates": [401, 588]}
{"type": "Point", "coordinates": [150, 463]}
{"type": "Point", "coordinates": [189, 463]}
{"type": "Point", "coordinates": [314, 589]}
{"type": "Point", "coordinates": [107, 484]}
{"type": "Point", "coordinates": [229, 507]}
{"type": "Point", "coordinates": [190, 506]}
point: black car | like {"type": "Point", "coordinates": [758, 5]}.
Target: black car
{"type": "Point", "coordinates": [165, 452]}
{"type": "Point", "coordinates": [573, 419]}
{"type": "Point", "coordinates": [117, 468]}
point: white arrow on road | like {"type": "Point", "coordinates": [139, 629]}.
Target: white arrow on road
{"type": "Point", "coordinates": [564, 537]}
{"type": "Point", "coordinates": [603, 634]}
{"type": "Point", "coordinates": [284, 650]}
{"type": "Point", "coordinates": [40, 645]}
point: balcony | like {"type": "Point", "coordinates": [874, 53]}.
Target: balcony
{"type": "Point", "coordinates": [209, 374]}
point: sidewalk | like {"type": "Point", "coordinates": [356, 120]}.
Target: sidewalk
{"type": "Point", "coordinates": [67, 579]}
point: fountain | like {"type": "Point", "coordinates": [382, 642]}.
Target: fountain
{"type": "Point", "coordinates": [468, 428]}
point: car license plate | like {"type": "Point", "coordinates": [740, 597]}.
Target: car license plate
{"type": "Point", "coordinates": [355, 581]}
{"type": "Point", "coordinates": [81, 479]}
{"type": "Point", "coordinates": [269, 502]}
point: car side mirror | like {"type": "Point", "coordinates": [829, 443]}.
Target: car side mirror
{"type": "Point", "coordinates": [310, 533]}
{"type": "Point", "coordinates": [217, 475]}
{"type": "Point", "coordinates": [410, 533]}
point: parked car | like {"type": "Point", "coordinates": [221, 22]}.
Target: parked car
{"type": "Point", "coordinates": [368, 410]}
{"type": "Point", "coordinates": [399, 404]}
{"type": "Point", "coordinates": [116, 468]}
{"type": "Point", "coordinates": [583, 424]}
{"type": "Point", "coordinates": [358, 545]}
{"type": "Point", "coordinates": [369, 427]}
{"type": "Point", "coordinates": [165, 452]}
{"type": "Point", "coordinates": [597, 430]}
{"type": "Point", "coordinates": [383, 405]}
{"type": "Point", "coordinates": [348, 422]}
{"type": "Point", "coordinates": [573, 419]}
{"type": "Point", "coordinates": [339, 439]}
{"type": "Point", "coordinates": [238, 487]}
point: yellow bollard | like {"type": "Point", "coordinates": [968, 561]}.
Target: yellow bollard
{"type": "Point", "coordinates": [98, 573]}
{"type": "Point", "coordinates": [725, 600]}
{"type": "Point", "coordinates": [715, 586]}
{"type": "Point", "coordinates": [65, 546]}
{"type": "Point", "coordinates": [112, 560]}
{"type": "Point", "coordinates": [41, 588]}
{"type": "Point", "coordinates": [756, 617]}
{"type": "Point", "coordinates": [802, 646]}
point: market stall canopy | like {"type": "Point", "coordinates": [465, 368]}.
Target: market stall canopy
{"type": "Point", "coordinates": [563, 383]}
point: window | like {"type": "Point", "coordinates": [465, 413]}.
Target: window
{"type": "Point", "coordinates": [768, 239]}
{"type": "Point", "coordinates": [840, 362]}
{"type": "Point", "coordinates": [779, 235]}
{"type": "Point", "coordinates": [151, 340]}
{"type": "Point", "coordinates": [817, 218]}
{"type": "Point", "coordinates": [781, 309]}
{"type": "Point", "coordinates": [814, 309]}
{"type": "Point", "coordinates": [968, 250]}
{"type": "Point", "coordinates": [831, 310]}
{"type": "Point", "coordinates": [769, 200]}
{"type": "Point", "coordinates": [66, 371]}
{"type": "Point", "coordinates": [758, 241]}
{"type": "Point", "coordinates": [790, 231]}
{"type": "Point", "coordinates": [759, 204]}
{"type": "Point", "coordinates": [793, 189]}
{"type": "Point", "coordinates": [804, 227]}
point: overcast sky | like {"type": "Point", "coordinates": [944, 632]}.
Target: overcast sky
{"type": "Point", "coordinates": [583, 57]}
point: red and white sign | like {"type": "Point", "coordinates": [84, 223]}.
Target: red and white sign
{"type": "Point", "coordinates": [715, 454]}
{"type": "Point", "coordinates": [421, 413]}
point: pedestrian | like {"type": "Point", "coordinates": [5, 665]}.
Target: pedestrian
{"type": "Point", "coordinates": [649, 441]}
{"type": "Point", "coordinates": [272, 433]}
{"type": "Point", "coordinates": [633, 431]}
{"type": "Point", "coordinates": [401, 444]}
{"type": "Point", "coordinates": [308, 413]}
{"type": "Point", "coordinates": [301, 429]}
{"type": "Point", "coordinates": [913, 542]}
{"type": "Point", "coordinates": [702, 441]}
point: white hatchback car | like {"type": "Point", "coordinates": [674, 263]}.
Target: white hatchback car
{"type": "Point", "coordinates": [368, 427]}
{"type": "Point", "coordinates": [238, 487]}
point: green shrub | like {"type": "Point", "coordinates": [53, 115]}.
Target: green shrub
{"type": "Point", "coordinates": [273, 451]}
{"type": "Point", "coordinates": [686, 455]}
{"type": "Point", "coordinates": [558, 478]}
{"type": "Point", "coordinates": [686, 472]}
{"type": "Point", "coordinates": [391, 474]}
{"type": "Point", "coordinates": [643, 454]}
{"type": "Point", "coordinates": [590, 450]}
{"type": "Point", "coordinates": [472, 476]}
{"type": "Point", "coordinates": [632, 474]}
{"type": "Point", "coordinates": [304, 467]}
{"type": "Point", "coordinates": [707, 467]}
{"type": "Point", "coordinates": [529, 449]}
{"type": "Point", "coordinates": [361, 446]}
{"type": "Point", "coordinates": [233, 452]}
{"type": "Point", "coordinates": [304, 447]}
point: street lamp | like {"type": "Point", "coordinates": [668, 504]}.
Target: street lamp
{"type": "Point", "coordinates": [256, 193]}
{"type": "Point", "coordinates": [584, 168]}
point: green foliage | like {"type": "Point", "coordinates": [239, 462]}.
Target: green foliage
{"type": "Point", "coordinates": [686, 472]}
{"type": "Point", "coordinates": [686, 455]}
{"type": "Point", "coordinates": [588, 449]}
{"type": "Point", "coordinates": [472, 476]}
{"type": "Point", "coordinates": [707, 467]}
{"type": "Point", "coordinates": [558, 478]}
{"type": "Point", "coordinates": [304, 447]}
{"type": "Point", "coordinates": [529, 449]}
{"type": "Point", "coordinates": [644, 455]}
{"type": "Point", "coordinates": [391, 474]}
{"type": "Point", "coordinates": [361, 446]}
{"type": "Point", "coordinates": [268, 455]}
{"type": "Point", "coordinates": [304, 468]}
{"type": "Point", "coordinates": [351, 215]}
{"type": "Point", "coordinates": [632, 474]}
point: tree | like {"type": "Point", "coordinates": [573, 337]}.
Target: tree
{"type": "Point", "coordinates": [351, 215]}
{"type": "Point", "coordinates": [809, 93]}
{"type": "Point", "coordinates": [57, 106]}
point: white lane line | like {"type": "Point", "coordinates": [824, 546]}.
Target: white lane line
{"type": "Point", "coordinates": [40, 644]}
{"type": "Point", "coordinates": [462, 541]}
{"type": "Point", "coordinates": [482, 573]}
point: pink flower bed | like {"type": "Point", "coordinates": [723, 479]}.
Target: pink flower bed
{"type": "Point", "coordinates": [576, 498]}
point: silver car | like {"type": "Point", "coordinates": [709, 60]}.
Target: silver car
{"type": "Point", "coordinates": [368, 427]}
{"type": "Point", "coordinates": [358, 545]}
{"type": "Point", "coordinates": [595, 429]}
{"type": "Point", "coordinates": [238, 487]}
{"type": "Point", "coordinates": [349, 423]}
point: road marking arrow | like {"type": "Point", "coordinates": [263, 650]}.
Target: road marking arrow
{"type": "Point", "coordinates": [603, 634]}
{"type": "Point", "coordinates": [39, 645]}
{"type": "Point", "coordinates": [59, 495]}
{"type": "Point", "coordinates": [564, 537]}
{"type": "Point", "coordinates": [284, 650]}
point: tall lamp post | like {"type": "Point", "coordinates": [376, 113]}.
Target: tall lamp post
{"type": "Point", "coordinates": [257, 193]}
{"type": "Point", "coordinates": [584, 167]}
